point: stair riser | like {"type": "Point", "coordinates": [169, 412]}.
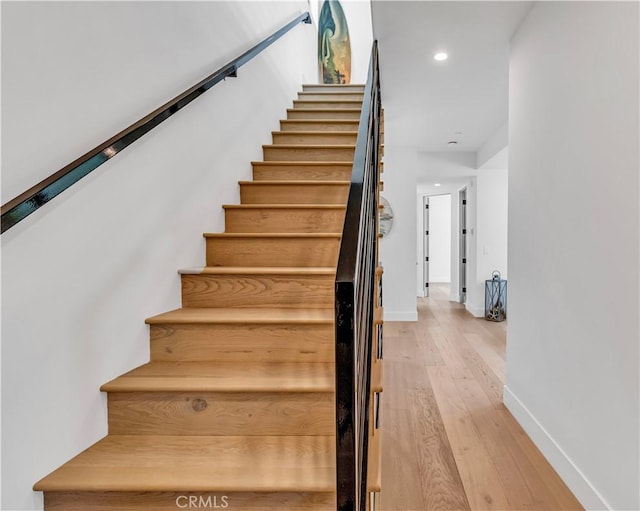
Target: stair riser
{"type": "Point", "coordinates": [292, 137]}
{"type": "Point", "coordinates": [322, 114]}
{"type": "Point", "coordinates": [307, 153]}
{"type": "Point", "coordinates": [174, 501]}
{"type": "Point", "coordinates": [221, 413]}
{"type": "Point", "coordinates": [294, 194]}
{"type": "Point", "coordinates": [291, 291]}
{"type": "Point", "coordinates": [331, 96]}
{"type": "Point", "coordinates": [332, 88]}
{"type": "Point", "coordinates": [310, 125]}
{"type": "Point", "coordinates": [242, 343]}
{"type": "Point", "coordinates": [284, 220]}
{"type": "Point", "coordinates": [273, 252]}
{"type": "Point", "coordinates": [308, 172]}
{"type": "Point", "coordinates": [297, 103]}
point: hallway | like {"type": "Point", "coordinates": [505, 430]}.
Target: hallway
{"type": "Point", "coordinates": [448, 441]}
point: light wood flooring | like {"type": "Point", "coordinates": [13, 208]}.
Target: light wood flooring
{"type": "Point", "coordinates": [448, 441]}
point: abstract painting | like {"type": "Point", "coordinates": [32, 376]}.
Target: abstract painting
{"type": "Point", "coordinates": [334, 47]}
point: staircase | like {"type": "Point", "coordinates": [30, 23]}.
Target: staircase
{"type": "Point", "coordinates": [236, 407]}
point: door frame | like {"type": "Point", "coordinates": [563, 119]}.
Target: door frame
{"type": "Point", "coordinates": [462, 245]}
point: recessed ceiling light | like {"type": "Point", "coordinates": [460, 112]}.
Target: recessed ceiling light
{"type": "Point", "coordinates": [452, 142]}
{"type": "Point", "coordinates": [437, 184]}
{"type": "Point", "coordinates": [441, 56]}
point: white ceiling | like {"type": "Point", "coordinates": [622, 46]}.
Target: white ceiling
{"type": "Point", "coordinates": [426, 102]}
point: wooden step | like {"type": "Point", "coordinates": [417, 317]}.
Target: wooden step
{"type": "Point", "coordinates": [327, 103]}
{"type": "Point", "coordinates": [210, 376]}
{"type": "Point", "coordinates": [374, 465]}
{"type": "Point", "coordinates": [292, 170]}
{"type": "Point", "coordinates": [294, 192]}
{"type": "Point", "coordinates": [150, 463]}
{"type": "Point", "coordinates": [331, 95]}
{"type": "Point", "coordinates": [376, 375]}
{"type": "Point", "coordinates": [283, 218]}
{"type": "Point", "coordinates": [319, 125]}
{"type": "Point", "coordinates": [315, 137]}
{"type": "Point", "coordinates": [324, 87]}
{"type": "Point", "coordinates": [243, 335]}
{"type": "Point", "coordinates": [212, 398]}
{"type": "Point", "coordinates": [258, 287]}
{"type": "Point", "coordinates": [298, 152]}
{"type": "Point", "coordinates": [172, 501]}
{"type": "Point", "coordinates": [257, 249]}
{"type": "Point", "coordinates": [323, 113]}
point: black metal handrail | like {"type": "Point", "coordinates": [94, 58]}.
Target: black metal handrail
{"type": "Point", "coordinates": [35, 197]}
{"type": "Point", "coordinates": [354, 302]}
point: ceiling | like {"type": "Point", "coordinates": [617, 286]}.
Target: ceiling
{"type": "Point", "coordinates": [427, 102]}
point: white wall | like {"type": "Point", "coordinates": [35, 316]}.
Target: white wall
{"type": "Point", "coordinates": [80, 275]}
{"type": "Point", "coordinates": [398, 248]}
{"type": "Point", "coordinates": [489, 210]}
{"type": "Point", "coordinates": [572, 351]}
{"type": "Point", "coordinates": [358, 14]}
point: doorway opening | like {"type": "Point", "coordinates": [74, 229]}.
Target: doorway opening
{"type": "Point", "coordinates": [436, 240]}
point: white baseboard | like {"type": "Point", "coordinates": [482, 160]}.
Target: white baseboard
{"type": "Point", "coordinates": [557, 458]}
{"type": "Point", "coordinates": [400, 316]}
{"type": "Point", "coordinates": [478, 312]}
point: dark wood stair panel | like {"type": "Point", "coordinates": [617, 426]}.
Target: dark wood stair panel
{"type": "Point", "coordinates": [323, 113]}
{"type": "Point", "coordinates": [288, 125]}
{"type": "Point", "coordinates": [170, 501]}
{"type": "Point", "coordinates": [314, 137]}
{"type": "Point", "coordinates": [284, 218]}
{"type": "Point", "coordinates": [276, 250]}
{"type": "Point", "coordinates": [291, 170]}
{"type": "Point", "coordinates": [259, 287]}
{"type": "Point", "coordinates": [140, 463]}
{"type": "Point", "coordinates": [297, 152]}
{"type": "Point", "coordinates": [294, 192]}
{"type": "Point", "coordinates": [327, 103]}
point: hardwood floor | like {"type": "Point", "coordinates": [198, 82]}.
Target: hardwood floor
{"type": "Point", "coordinates": [448, 441]}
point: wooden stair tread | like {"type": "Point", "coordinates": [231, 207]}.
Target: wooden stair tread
{"type": "Point", "coordinates": [293, 182]}
{"type": "Point", "coordinates": [199, 463]}
{"type": "Point", "coordinates": [291, 163]}
{"type": "Point", "coordinates": [327, 101]}
{"type": "Point", "coordinates": [376, 376]}
{"type": "Point", "coordinates": [190, 315]}
{"type": "Point", "coordinates": [325, 110]}
{"type": "Point", "coordinates": [315, 121]}
{"type": "Point", "coordinates": [334, 85]}
{"type": "Point", "coordinates": [374, 466]}
{"type": "Point", "coordinates": [283, 206]}
{"type": "Point", "coordinates": [226, 377]}
{"type": "Point", "coordinates": [316, 132]}
{"type": "Point", "coordinates": [309, 146]}
{"type": "Point", "coordinates": [258, 235]}
{"type": "Point", "coordinates": [256, 270]}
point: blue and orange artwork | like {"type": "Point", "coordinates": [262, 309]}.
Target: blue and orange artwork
{"type": "Point", "coordinates": [334, 47]}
